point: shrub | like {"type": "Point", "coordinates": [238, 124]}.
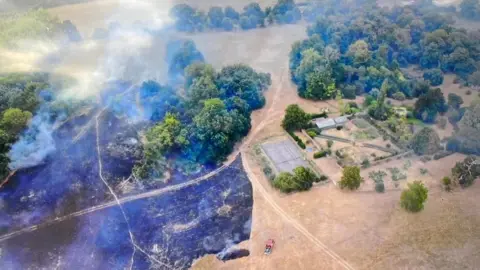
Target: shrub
{"type": "Point", "coordinates": [380, 187]}
{"type": "Point", "coordinates": [339, 127]}
{"type": "Point", "coordinates": [318, 115]}
{"type": "Point", "coordinates": [351, 178]}
{"type": "Point", "coordinates": [441, 154]}
{"type": "Point", "coordinates": [447, 182]}
{"type": "Point", "coordinates": [389, 145]}
{"type": "Point", "coordinates": [365, 163]}
{"type": "Point", "coordinates": [399, 96]}
{"type": "Point", "coordinates": [435, 76]}
{"type": "Point", "coordinates": [469, 92]}
{"type": "Point", "coordinates": [301, 180]}
{"type": "Point", "coordinates": [423, 171]}
{"type": "Point", "coordinates": [329, 143]}
{"type": "Point", "coordinates": [298, 140]}
{"type": "Point", "coordinates": [413, 198]}
{"type": "Point", "coordinates": [312, 133]}
{"type": "Point", "coordinates": [320, 154]}
{"type": "Point", "coordinates": [397, 174]}
{"type": "Point", "coordinates": [323, 177]}
{"type": "Point", "coordinates": [377, 176]}
{"type": "Point", "coordinates": [269, 173]}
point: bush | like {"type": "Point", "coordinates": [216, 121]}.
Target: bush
{"type": "Point", "coordinates": [441, 154]}
{"type": "Point", "coordinates": [298, 140]}
{"type": "Point", "coordinates": [312, 133]}
{"type": "Point", "coordinates": [413, 198]}
{"type": "Point", "coordinates": [399, 96]}
{"type": "Point", "coordinates": [295, 118]}
{"type": "Point", "coordinates": [320, 154]}
{"type": "Point", "coordinates": [269, 173]}
{"type": "Point", "coordinates": [351, 178]}
{"type": "Point", "coordinates": [389, 145]}
{"type": "Point", "coordinates": [380, 187]}
{"type": "Point", "coordinates": [469, 92]}
{"type": "Point", "coordinates": [318, 115]}
{"type": "Point", "coordinates": [323, 177]}
{"type": "Point", "coordinates": [365, 163]}
{"type": "Point", "coordinates": [435, 76]}
{"type": "Point", "coordinates": [339, 127]}
{"type": "Point", "coordinates": [329, 143]}
{"type": "Point", "coordinates": [447, 182]}
{"type": "Point", "coordinates": [423, 171]}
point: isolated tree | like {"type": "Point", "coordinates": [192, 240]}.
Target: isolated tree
{"type": "Point", "coordinates": [351, 178]}
{"type": "Point", "coordinates": [425, 142]}
{"type": "Point", "coordinates": [295, 118]}
{"type": "Point", "coordinates": [413, 198]}
{"type": "Point", "coordinates": [14, 120]}
{"type": "Point", "coordinates": [182, 56]}
{"type": "Point", "coordinates": [454, 100]}
{"type": "Point", "coordinates": [466, 171]}
{"type": "Point", "coordinates": [286, 182]}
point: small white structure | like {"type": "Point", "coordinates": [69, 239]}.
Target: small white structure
{"type": "Point", "coordinates": [329, 123]}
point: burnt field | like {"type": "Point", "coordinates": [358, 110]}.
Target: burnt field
{"type": "Point", "coordinates": [172, 229]}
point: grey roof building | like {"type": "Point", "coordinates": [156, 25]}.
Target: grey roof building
{"type": "Point", "coordinates": [331, 122]}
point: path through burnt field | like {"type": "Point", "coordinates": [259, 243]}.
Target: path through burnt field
{"type": "Point", "coordinates": [170, 230]}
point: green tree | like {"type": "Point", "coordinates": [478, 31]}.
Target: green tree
{"type": "Point", "coordinates": [380, 110]}
{"type": "Point", "coordinates": [197, 70]}
{"type": "Point", "coordinates": [295, 118]}
{"type": "Point", "coordinates": [429, 105]}
{"type": "Point", "coordinates": [320, 85]}
{"type": "Point", "coordinates": [202, 88]}
{"type": "Point", "coordinates": [413, 198]}
{"type": "Point", "coordinates": [425, 142]}
{"type": "Point", "coordinates": [435, 76]}
{"type": "Point", "coordinates": [351, 178]}
{"type": "Point", "coordinates": [14, 120]}
{"type": "Point", "coordinates": [305, 175]}
{"type": "Point", "coordinates": [454, 100]}
{"type": "Point", "coordinates": [359, 52]}
{"type": "Point", "coordinates": [167, 135]}
{"type": "Point", "coordinates": [215, 129]}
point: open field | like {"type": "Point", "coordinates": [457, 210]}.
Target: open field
{"type": "Point", "coordinates": [284, 155]}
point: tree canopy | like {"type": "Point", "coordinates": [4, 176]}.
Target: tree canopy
{"type": "Point", "coordinates": [351, 178]}
{"type": "Point", "coordinates": [295, 118]}
{"type": "Point", "coordinates": [425, 142]}
{"type": "Point", "coordinates": [413, 198]}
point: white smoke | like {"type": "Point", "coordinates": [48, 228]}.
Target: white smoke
{"type": "Point", "coordinates": [92, 63]}
{"type": "Point", "coordinates": [34, 146]}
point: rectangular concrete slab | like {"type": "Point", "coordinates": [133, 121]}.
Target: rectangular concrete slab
{"type": "Point", "coordinates": [285, 155]}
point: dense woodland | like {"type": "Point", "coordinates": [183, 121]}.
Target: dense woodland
{"type": "Point", "coordinates": [201, 126]}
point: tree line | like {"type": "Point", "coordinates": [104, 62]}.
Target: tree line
{"type": "Point", "coordinates": [190, 19]}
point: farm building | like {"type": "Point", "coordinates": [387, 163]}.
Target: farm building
{"type": "Point", "coordinates": [329, 123]}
